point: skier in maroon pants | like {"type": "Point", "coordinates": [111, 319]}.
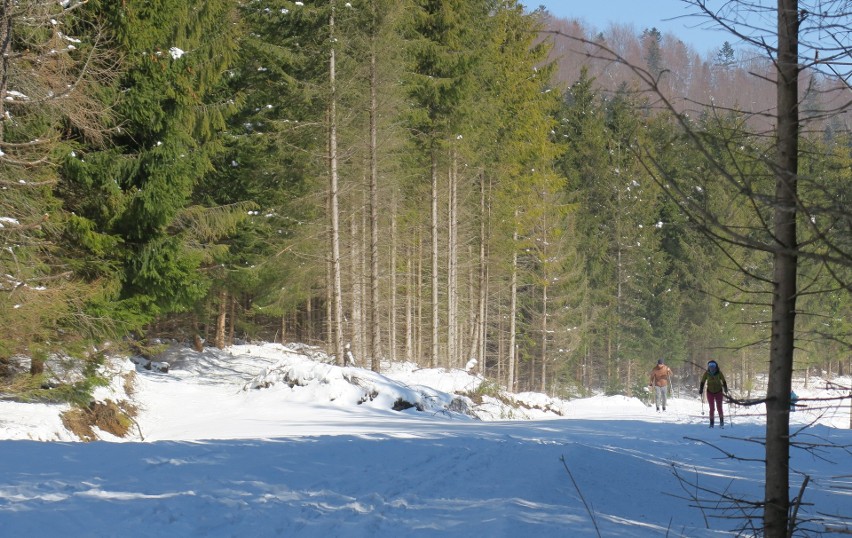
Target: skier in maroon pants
{"type": "Point", "coordinates": [716, 385]}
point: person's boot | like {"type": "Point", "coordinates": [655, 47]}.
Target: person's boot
{"type": "Point", "coordinates": [711, 422]}
{"type": "Point", "coordinates": [721, 422]}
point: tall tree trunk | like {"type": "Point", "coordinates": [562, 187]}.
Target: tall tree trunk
{"type": "Point", "coordinates": [474, 314]}
{"type": "Point", "coordinates": [418, 323]}
{"type": "Point", "coordinates": [777, 498]}
{"type": "Point", "coordinates": [220, 320]}
{"type": "Point", "coordinates": [355, 282]}
{"type": "Point", "coordinates": [616, 356]}
{"type": "Point", "coordinates": [309, 320]}
{"type": "Point", "coordinates": [544, 338]}
{"type": "Point", "coordinates": [232, 319]}
{"type": "Point", "coordinates": [434, 256]}
{"type": "Point", "coordinates": [483, 321]}
{"type": "Point", "coordinates": [337, 337]}
{"type": "Point", "coordinates": [328, 325]}
{"type": "Point", "coordinates": [364, 280]}
{"type": "Point", "coordinates": [513, 307]}
{"type": "Point", "coordinates": [452, 264]}
{"type": "Point", "coordinates": [501, 347]}
{"type": "Point", "coordinates": [628, 386]}
{"type": "Point", "coordinates": [484, 228]}
{"type": "Point", "coordinates": [392, 332]}
{"type": "Point", "coordinates": [409, 306]}
{"type": "Point", "coordinates": [375, 317]}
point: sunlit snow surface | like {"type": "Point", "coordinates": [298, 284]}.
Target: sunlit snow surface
{"type": "Point", "coordinates": [269, 440]}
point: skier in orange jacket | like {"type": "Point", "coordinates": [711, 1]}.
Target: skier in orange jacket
{"type": "Point", "coordinates": [660, 379]}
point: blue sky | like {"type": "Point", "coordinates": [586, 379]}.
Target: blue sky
{"type": "Point", "coordinates": [666, 15]}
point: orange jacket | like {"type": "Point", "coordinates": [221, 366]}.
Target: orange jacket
{"type": "Point", "coordinates": [660, 375]}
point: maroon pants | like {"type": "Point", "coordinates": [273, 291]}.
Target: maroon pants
{"type": "Point", "coordinates": [715, 399]}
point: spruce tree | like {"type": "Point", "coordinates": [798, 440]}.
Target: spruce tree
{"type": "Point", "coordinates": [53, 67]}
{"type": "Point", "coordinates": [137, 195]}
{"type": "Point", "coordinates": [273, 159]}
{"type": "Point", "coordinates": [530, 192]}
{"type": "Point", "coordinates": [443, 53]}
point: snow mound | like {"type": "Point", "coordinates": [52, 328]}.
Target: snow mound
{"type": "Point", "coordinates": [310, 381]}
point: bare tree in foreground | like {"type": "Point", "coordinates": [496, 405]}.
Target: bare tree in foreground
{"type": "Point", "coordinates": [789, 223]}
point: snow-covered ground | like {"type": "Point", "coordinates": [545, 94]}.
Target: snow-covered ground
{"type": "Point", "coordinates": [270, 440]}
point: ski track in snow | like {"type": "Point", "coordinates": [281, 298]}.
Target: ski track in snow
{"type": "Point", "coordinates": [219, 460]}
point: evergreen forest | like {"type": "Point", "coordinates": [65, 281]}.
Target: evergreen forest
{"type": "Point", "coordinates": [456, 183]}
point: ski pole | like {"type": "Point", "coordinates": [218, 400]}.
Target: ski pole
{"type": "Point", "coordinates": [702, 403]}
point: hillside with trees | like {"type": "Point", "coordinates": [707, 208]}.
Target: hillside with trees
{"type": "Point", "coordinates": [732, 78]}
{"type": "Point", "coordinates": [455, 183]}
{"type": "Point", "coordinates": [423, 181]}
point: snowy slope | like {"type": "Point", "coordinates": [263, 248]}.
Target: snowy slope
{"type": "Point", "coordinates": [269, 441]}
